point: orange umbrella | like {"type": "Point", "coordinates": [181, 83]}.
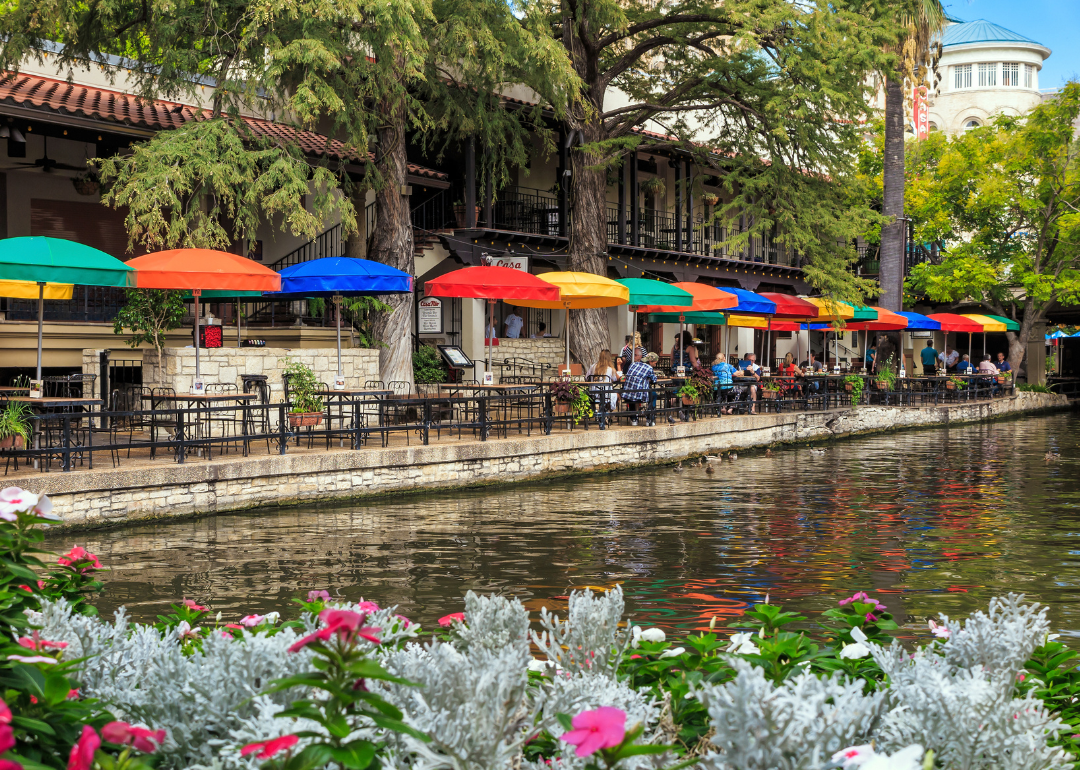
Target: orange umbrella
{"type": "Point", "coordinates": [705, 298]}
{"type": "Point", "coordinates": [198, 269]}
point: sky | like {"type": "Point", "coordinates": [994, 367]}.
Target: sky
{"type": "Point", "coordinates": [1054, 23]}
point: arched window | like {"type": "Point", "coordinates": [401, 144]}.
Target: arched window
{"type": "Point", "coordinates": [971, 123]}
{"type": "Point", "coordinates": [932, 126]}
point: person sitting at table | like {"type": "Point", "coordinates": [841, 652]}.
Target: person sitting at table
{"type": "Point", "coordinates": [541, 331]}
{"type": "Point", "coordinates": [684, 352]}
{"type": "Point", "coordinates": [948, 358]}
{"type": "Point", "coordinates": [964, 367]}
{"type": "Point", "coordinates": [811, 364]}
{"type": "Point", "coordinates": [604, 368]}
{"type": "Point", "coordinates": [723, 372]}
{"type": "Point", "coordinates": [1003, 364]}
{"type": "Point", "coordinates": [752, 372]}
{"type": "Point", "coordinates": [639, 386]}
{"type": "Point", "coordinates": [929, 356]}
{"type": "Point", "coordinates": [626, 357]}
{"type": "Point", "coordinates": [986, 366]}
{"type": "Point", "coordinates": [789, 369]}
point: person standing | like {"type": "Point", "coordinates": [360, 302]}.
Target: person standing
{"type": "Point", "coordinates": [929, 357]}
{"type": "Point", "coordinates": [514, 322]}
{"type": "Point", "coordinates": [871, 359]}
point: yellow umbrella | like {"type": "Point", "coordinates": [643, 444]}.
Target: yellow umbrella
{"type": "Point", "coordinates": [828, 311]}
{"type": "Point", "coordinates": [579, 291]}
{"type": "Point", "coordinates": [29, 290]}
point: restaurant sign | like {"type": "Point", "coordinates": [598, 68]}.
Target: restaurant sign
{"type": "Point", "coordinates": [508, 260]}
{"type": "Point", "coordinates": [429, 318]}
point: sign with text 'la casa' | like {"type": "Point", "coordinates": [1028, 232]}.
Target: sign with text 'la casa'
{"type": "Point", "coordinates": [429, 316]}
{"type": "Point", "coordinates": [508, 260]}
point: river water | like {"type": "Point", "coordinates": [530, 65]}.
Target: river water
{"type": "Point", "coordinates": [929, 521]}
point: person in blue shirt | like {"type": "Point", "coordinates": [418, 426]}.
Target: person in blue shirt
{"type": "Point", "coordinates": [964, 367]}
{"type": "Point", "coordinates": [723, 372]}
{"type": "Point", "coordinates": [928, 356]}
{"type": "Point", "coordinates": [871, 358]}
{"type": "Point", "coordinates": [1003, 363]}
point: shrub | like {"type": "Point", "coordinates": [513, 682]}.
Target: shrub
{"type": "Point", "coordinates": [428, 365]}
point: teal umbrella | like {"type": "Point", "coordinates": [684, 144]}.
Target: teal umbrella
{"type": "Point", "coordinates": [54, 260]}
{"type": "Point", "coordinates": [644, 291]}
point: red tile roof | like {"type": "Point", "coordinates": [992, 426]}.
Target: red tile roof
{"type": "Point", "coordinates": [61, 97]}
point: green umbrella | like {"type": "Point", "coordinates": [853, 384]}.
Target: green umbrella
{"type": "Point", "coordinates": [693, 317]}
{"type": "Point", "coordinates": [644, 291]}
{"type": "Point", "coordinates": [1010, 325]}
{"type": "Point", "coordinates": [54, 260]}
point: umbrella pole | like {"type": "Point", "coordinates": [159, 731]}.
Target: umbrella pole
{"type": "Point", "coordinates": [337, 324]}
{"type": "Point", "coordinates": [566, 334]}
{"type": "Point", "coordinates": [768, 344]}
{"type": "Point", "coordinates": [490, 333]}
{"type": "Point", "coordinates": [40, 322]}
{"type": "Point", "coordinates": [195, 293]}
{"type": "Point", "coordinates": [237, 322]}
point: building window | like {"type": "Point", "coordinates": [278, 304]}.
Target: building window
{"type": "Point", "coordinates": [932, 127]}
{"type": "Point", "coordinates": [1029, 75]}
{"type": "Point", "coordinates": [970, 124]}
{"type": "Point", "coordinates": [988, 74]}
{"type": "Point", "coordinates": [962, 76]}
{"type": "Point", "coordinates": [1010, 74]}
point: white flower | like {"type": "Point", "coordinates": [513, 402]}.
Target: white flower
{"type": "Point", "coordinates": [853, 651]}
{"type": "Point", "coordinates": [743, 644]}
{"type": "Point", "coordinates": [674, 652]}
{"type": "Point", "coordinates": [858, 635]}
{"type": "Point", "coordinates": [905, 759]}
{"type": "Point", "coordinates": [538, 665]}
{"type": "Point", "coordinates": [1052, 637]}
{"type": "Point", "coordinates": [853, 756]}
{"type": "Point", "coordinates": [14, 500]}
{"type": "Point", "coordinates": [940, 631]}
{"type": "Point", "coordinates": [271, 618]}
{"type": "Point", "coordinates": [653, 635]}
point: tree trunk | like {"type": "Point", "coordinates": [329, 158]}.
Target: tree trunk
{"type": "Point", "coordinates": [588, 247]}
{"type": "Point", "coordinates": [891, 274]}
{"type": "Point", "coordinates": [393, 245]}
{"type": "Point", "coordinates": [1017, 347]}
{"type": "Point", "coordinates": [888, 344]}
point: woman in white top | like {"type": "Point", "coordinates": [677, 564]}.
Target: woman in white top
{"type": "Point", "coordinates": [603, 368]}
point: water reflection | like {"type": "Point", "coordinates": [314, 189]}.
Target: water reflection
{"type": "Point", "coordinates": [932, 521]}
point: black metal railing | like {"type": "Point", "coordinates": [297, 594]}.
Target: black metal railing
{"type": "Point", "coordinates": [96, 304]}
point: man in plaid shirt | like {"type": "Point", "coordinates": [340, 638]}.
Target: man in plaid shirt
{"type": "Point", "coordinates": [640, 378]}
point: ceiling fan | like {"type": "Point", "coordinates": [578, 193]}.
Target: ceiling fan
{"type": "Point", "coordinates": [47, 164]}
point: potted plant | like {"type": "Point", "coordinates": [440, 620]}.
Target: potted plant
{"type": "Point", "coordinates": [654, 186]}
{"type": "Point", "coordinates": [953, 383]}
{"type": "Point", "coordinates": [570, 397]}
{"type": "Point", "coordinates": [853, 383]}
{"type": "Point", "coordinates": [886, 377]}
{"type": "Point", "coordinates": [711, 199]}
{"type": "Point", "coordinates": [306, 406]}
{"type": "Point", "coordinates": [14, 426]}
{"type": "Point", "coordinates": [691, 394]}
{"type": "Point", "coordinates": [770, 390]}
{"type": "Point", "coordinates": [459, 214]}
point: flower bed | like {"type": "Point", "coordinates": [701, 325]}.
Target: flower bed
{"type": "Point", "coordinates": [353, 685]}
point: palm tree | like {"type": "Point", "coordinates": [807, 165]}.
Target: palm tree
{"type": "Point", "coordinates": [917, 53]}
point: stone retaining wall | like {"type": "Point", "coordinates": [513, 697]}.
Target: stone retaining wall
{"type": "Point", "coordinates": [548, 350]}
{"type": "Point", "coordinates": [169, 490]}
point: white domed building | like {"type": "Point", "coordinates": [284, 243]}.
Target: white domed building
{"type": "Point", "coordinates": [984, 70]}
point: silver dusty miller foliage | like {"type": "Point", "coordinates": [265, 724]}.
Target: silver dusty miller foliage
{"type": "Point", "coordinates": [589, 640]}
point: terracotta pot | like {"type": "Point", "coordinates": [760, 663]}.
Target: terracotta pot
{"type": "Point", "coordinates": [562, 407]}
{"type": "Point", "coordinates": [687, 401]}
{"type": "Point", "coordinates": [848, 387]}
{"type": "Point", "coordinates": [459, 215]}
{"type": "Point", "coordinates": [12, 442]}
{"type": "Point", "coordinates": [882, 384]}
{"type": "Point", "coordinates": [1000, 380]}
{"type": "Point", "coordinates": [770, 394]}
{"type": "Point", "coordinates": [950, 385]}
{"type": "Point", "coordinates": [304, 419]}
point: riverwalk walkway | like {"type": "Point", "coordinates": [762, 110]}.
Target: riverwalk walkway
{"type": "Point", "coordinates": [142, 488]}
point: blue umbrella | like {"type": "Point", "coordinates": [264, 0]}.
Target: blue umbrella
{"type": "Point", "coordinates": [1075, 334]}
{"type": "Point", "coordinates": [749, 303]}
{"type": "Point", "coordinates": [918, 322]}
{"type": "Point", "coordinates": [337, 277]}
{"type": "Point", "coordinates": [1056, 335]}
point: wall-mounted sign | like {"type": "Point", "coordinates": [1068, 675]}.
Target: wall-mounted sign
{"type": "Point", "coordinates": [429, 316]}
{"type": "Point", "coordinates": [507, 260]}
{"type": "Point", "coordinates": [922, 112]}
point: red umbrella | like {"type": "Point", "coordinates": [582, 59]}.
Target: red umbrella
{"type": "Point", "coordinates": [952, 322]}
{"type": "Point", "coordinates": [790, 306]}
{"type": "Point", "coordinates": [492, 283]}
{"type": "Point", "coordinates": [198, 269]}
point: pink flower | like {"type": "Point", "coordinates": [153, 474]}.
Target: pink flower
{"type": "Point", "coordinates": [858, 597]}
{"type": "Point", "coordinates": [601, 728]}
{"type": "Point", "coordinates": [146, 741]}
{"type": "Point", "coordinates": [31, 659]}
{"type": "Point", "coordinates": [404, 620]}
{"type": "Point", "coordinates": [5, 714]}
{"type": "Point", "coordinates": [367, 607]}
{"type": "Point", "coordinates": [454, 617]}
{"type": "Point", "coordinates": [269, 748]}
{"type": "Point", "coordinates": [184, 631]}
{"type": "Point", "coordinates": [73, 694]}
{"type": "Point", "coordinates": [871, 617]}
{"type": "Point", "coordinates": [345, 624]}
{"type": "Point", "coordinates": [82, 753]}
{"type": "Point", "coordinates": [314, 596]}
{"type": "Point", "coordinates": [940, 631]}
{"type": "Point", "coordinates": [193, 606]}
{"type": "Point", "coordinates": [251, 620]}
{"type": "Point", "coordinates": [80, 560]}
{"type": "Point", "coordinates": [1021, 677]}
{"type": "Point", "coordinates": [7, 738]}
{"type": "Point", "coordinates": [32, 642]}
{"type": "Point", "coordinates": [27, 588]}
{"type": "Point", "coordinates": [10, 764]}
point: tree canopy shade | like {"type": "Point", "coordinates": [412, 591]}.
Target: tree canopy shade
{"type": "Point", "coordinates": [1005, 199]}
{"type": "Point", "coordinates": [366, 72]}
{"type": "Point", "coordinates": [769, 94]}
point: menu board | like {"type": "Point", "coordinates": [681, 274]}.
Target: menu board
{"type": "Point", "coordinates": [429, 316]}
{"type": "Point", "coordinates": [455, 356]}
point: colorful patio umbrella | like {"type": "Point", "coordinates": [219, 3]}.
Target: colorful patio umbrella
{"type": "Point", "coordinates": [991, 323]}
{"type": "Point", "coordinates": [1057, 334]}
{"type": "Point", "coordinates": [951, 322]}
{"type": "Point", "coordinates": [198, 269]}
{"type": "Point", "coordinates": [579, 291]}
{"type": "Point", "coordinates": [792, 307]}
{"type": "Point", "coordinates": [31, 290]}
{"type": "Point", "coordinates": [919, 322]}
{"type": "Point", "coordinates": [705, 298]}
{"type": "Point", "coordinates": [491, 283]}
{"type": "Point", "coordinates": [337, 277]}
{"type": "Point", "coordinates": [645, 291]}
{"type": "Point", "coordinates": [47, 261]}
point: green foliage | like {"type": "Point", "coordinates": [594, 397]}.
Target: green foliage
{"type": "Point", "coordinates": [15, 420]}
{"type": "Point", "coordinates": [887, 373]}
{"type": "Point", "coordinates": [856, 383]}
{"type": "Point", "coordinates": [1004, 199]}
{"type": "Point", "coordinates": [358, 312]}
{"type": "Point", "coordinates": [1027, 387]}
{"type": "Point", "coordinates": [148, 315]}
{"type": "Point", "coordinates": [302, 387]}
{"type": "Point", "coordinates": [428, 365]}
